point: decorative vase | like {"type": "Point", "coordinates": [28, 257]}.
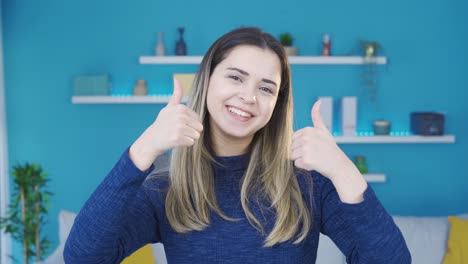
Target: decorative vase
{"type": "Point", "coordinates": [361, 164]}
{"type": "Point", "coordinates": [181, 48]}
{"type": "Point", "coordinates": [290, 51]}
{"type": "Point", "coordinates": [382, 127]}
{"type": "Point", "coordinates": [140, 88]}
{"type": "Point", "coordinates": [160, 50]}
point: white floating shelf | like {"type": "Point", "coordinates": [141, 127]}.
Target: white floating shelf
{"type": "Point", "coordinates": [336, 60]}
{"type": "Point", "coordinates": [107, 99]}
{"type": "Point", "coordinates": [170, 59]}
{"type": "Point", "coordinates": [292, 60]}
{"type": "Point", "coordinates": [375, 177]}
{"type": "Point", "coordinates": [394, 139]}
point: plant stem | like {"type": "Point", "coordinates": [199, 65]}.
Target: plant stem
{"type": "Point", "coordinates": [36, 215]}
{"type": "Point", "coordinates": [23, 218]}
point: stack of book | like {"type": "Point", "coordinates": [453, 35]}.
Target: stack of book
{"type": "Point", "coordinates": [91, 85]}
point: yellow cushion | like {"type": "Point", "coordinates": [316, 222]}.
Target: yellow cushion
{"type": "Point", "coordinates": [142, 256]}
{"type": "Point", "coordinates": [457, 246]}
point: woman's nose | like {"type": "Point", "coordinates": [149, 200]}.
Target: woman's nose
{"type": "Point", "coordinates": [248, 97]}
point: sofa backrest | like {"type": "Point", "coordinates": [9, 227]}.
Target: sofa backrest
{"type": "Point", "coordinates": [426, 237]}
{"type": "Point", "coordinates": [328, 252]}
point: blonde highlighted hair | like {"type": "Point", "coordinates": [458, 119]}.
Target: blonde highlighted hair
{"type": "Point", "coordinates": [191, 194]}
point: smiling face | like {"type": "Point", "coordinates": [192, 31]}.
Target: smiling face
{"type": "Point", "coordinates": [242, 94]}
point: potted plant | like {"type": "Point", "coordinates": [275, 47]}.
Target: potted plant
{"type": "Point", "coordinates": [287, 40]}
{"type": "Point", "coordinates": [27, 210]}
{"type": "Point", "coordinates": [369, 68]}
{"type": "Point", "coordinates": [370, 48]}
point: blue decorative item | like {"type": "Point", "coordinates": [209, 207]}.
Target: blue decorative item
{"type": "Point", "coordinates": [181, 48]}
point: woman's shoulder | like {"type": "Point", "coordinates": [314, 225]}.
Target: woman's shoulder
{"type": "Point", "coordinates": [158, 179]}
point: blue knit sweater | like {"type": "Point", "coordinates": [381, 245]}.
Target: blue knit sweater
{"type": "Point", "coordinates": [126, 212]}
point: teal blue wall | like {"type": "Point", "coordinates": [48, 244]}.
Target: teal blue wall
{"type": "Point", "coordinates": [48, 42]}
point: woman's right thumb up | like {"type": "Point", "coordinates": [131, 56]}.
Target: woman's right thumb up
{"type": "Point", "coordinates": [177, 94]}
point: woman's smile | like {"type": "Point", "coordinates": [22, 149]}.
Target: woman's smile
{"type": "Point", "coordinates": [239, 114]}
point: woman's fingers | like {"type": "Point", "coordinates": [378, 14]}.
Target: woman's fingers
{"type": "Point", "coordinates": [186, 116]}
{"type": "Point", "coordinates": [191, 133]}
{"type": "Point", "coordinates": [194, 123]}
{"type": "Point", "coordinates": [299, 163]}
{"type": "Point", "coordinates": [186, 141]}
{"type": "Point", "coordinates": [295, 154]}
{"type": "Point", "coordinates": [194, 115]}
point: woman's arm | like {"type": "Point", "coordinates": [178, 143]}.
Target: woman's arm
{"type": "Point", "coordinates": [352, 216]}
{"type": "Point", "coordinates": [119, 218]}
{"type": "Point", "coordinates": [363, 231]}
{"type": "Point", "coordinates": [116, 220]}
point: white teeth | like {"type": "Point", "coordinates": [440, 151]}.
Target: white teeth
{"type": "Point", "coordinates": [238, 112]}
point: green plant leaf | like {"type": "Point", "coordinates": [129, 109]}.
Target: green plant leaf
{"type": "Point", "coordinates": [27, 177]}
{"type": "Point", "coordinates": [286, 39]}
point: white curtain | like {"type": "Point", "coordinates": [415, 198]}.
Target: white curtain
{"type": "Point", "coordinates": [5, 241]}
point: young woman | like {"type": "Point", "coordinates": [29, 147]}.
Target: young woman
{"type": "Point", "coordinates": [241, 187]}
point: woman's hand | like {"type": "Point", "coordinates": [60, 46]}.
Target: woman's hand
{"type": "Point", "coordinates": [175, 126]}
{"type": "Point", "coordinates": [314, 148]}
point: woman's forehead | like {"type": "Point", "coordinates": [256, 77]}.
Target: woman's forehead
{"type": "Point", "coordinates": [254, 60]}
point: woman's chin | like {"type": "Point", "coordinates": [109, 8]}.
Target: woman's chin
{"type": "Point", "coordinates": [238, 134]}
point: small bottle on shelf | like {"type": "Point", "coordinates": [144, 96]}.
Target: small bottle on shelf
{"type": "Point", "coordinates": [326, 45]}
{"type": "Point", "coordinates": [160, 50]}
{"type": "Point", "coordinates": [140, 88]}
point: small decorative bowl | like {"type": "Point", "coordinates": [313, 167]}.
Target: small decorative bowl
{"type": "Point", "coordinates": [382, 127]}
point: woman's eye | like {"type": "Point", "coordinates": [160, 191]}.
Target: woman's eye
{"type": "Point", "coordinates": [235, 78]}
{"type": "Point", "coordinates": [266, 89]}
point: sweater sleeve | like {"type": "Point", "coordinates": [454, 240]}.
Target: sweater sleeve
{"type": "Point", "coordinates": [364, 232]}
{"type": "Point", "coordinates": [116, 220]}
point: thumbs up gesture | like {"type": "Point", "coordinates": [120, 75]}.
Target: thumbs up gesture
{"type": "Point", "coordinates": [175, 126]}
{"type": "Point", "coordinates": [314, 148]}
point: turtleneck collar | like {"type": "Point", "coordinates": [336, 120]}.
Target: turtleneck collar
{"type": "Point", "coordinates": [231, 163]}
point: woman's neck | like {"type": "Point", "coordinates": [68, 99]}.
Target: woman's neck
{"type": "Point", "coordinates": [224, 146]}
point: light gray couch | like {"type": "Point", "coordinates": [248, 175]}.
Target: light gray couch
{"type": "Point", "coordinates": [426, 238]}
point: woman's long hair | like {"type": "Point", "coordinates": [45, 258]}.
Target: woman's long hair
{"type": "Point", "coordinates": [191, 194]}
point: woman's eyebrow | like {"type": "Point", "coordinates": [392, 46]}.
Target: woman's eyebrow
{"type": "Point", "coordinates": [270, 81]}
{"type": "Point", "coordinates": [239, 70]}
{"type": "Point", "coordinates": [247, 74]}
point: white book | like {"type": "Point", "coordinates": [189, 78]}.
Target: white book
{"type": "Point", "coordinates": [326, 111]}
{"type": "Point", "coordinates": [349, 115]}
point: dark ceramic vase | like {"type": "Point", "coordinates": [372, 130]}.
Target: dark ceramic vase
{"type": "Point", "coordinates": [181, 48]}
